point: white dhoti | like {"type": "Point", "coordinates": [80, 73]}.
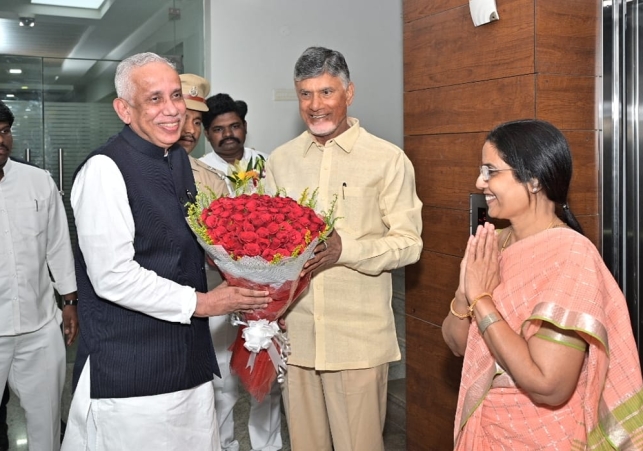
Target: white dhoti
{"type": "Point", "coordinates": [178, 421]}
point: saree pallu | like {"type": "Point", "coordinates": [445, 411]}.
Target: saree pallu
{"type": "Point", "coordinates": [559, 277]}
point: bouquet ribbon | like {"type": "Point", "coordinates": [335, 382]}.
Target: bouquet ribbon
{"type": "Point", "coordinates": [262, 334]}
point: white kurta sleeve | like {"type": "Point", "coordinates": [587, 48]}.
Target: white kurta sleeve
{"type": "Point", "coordinates": [60, 258]}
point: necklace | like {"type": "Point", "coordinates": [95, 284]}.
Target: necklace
{"type": "Point", "coordinates": [552, 225]}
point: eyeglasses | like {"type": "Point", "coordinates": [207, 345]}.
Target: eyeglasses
{"type": "Point", "coordinates": [486, 172]}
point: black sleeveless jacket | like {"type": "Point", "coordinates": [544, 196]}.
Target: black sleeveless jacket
{"type": "Point", "coordinates": [133, 354]}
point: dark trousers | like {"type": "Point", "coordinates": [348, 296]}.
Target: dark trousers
{"type": "Point", "coordinates": [3, 405]}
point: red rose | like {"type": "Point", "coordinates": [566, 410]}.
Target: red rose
{"type": "Point", "coordinates": [248, 237]}
{"type": "Point", "coordinates": [263, 243]}
{"type": "Point", "coordinates": [295, 237]}
{"type": "Point", "coordinates": [262, 232]}
{"type": "Point", "coordinates": [210, 221]}
{"type": "Point", "coordinates": [303, 222]}
{"type": "Point", "coordinates": [256, 219]}
{"type": "Point", "coordinates": [251, 249]}
{"type": "Point", "coordinates": [283, 252]}
{"type": "Point", "coordinates": [275, 244]}
{"type": "Point", "coordinates": [220, 230]}
{"type": "Point", "coordinates": [252, 205]}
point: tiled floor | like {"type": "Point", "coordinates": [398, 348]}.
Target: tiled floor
{"type": "Point", "coordinates": [394, 434]}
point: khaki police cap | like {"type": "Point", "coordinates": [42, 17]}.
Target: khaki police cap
{"type": "Point", "coordinates": [195, 90]}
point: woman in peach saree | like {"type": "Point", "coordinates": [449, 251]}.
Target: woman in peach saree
{"type": "Point", "coordinates": [550, 362]}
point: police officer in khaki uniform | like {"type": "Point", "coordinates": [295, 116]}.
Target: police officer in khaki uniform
{"type": "Point", "coordinates": [195, 90]}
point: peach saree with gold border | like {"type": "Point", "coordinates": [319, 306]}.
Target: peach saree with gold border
{"type": "Point", "coordinates": [559, 277]}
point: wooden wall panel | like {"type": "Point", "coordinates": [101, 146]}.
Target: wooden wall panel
{"type": "Point", "coordinates": [574, 23]}
{"type": "Point", "coordinates": [501, 49]}
{"type": "Point", "coordinates": [569, 102]}
{"type": "Point", "coordinates": [430, 286]}
{"type": "Point", "coordinates": [445, 231]}
{"type": "Point", "coordinates": [431, 414]}
{"type": "Point", "coordinates": [538, 61]}
{"type": "Point", "coordinates": [416, 9]}
{"type": "Point", "coordinates": [591, 228]}
{"type": "Point", "coordinates": [446, 167]}
{"type": "Point", "coordinates": [452, 109]}
{"type": "Point", "coordinates": [583, 193]}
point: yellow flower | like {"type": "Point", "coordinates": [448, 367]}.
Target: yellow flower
{"type": "Point", "coordinates": [246, 175]}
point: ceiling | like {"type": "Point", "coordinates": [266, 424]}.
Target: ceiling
{"type": "Point", "coordinates": [72, 39]}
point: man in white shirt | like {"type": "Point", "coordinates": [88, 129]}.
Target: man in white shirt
{"type": "Point", "coordinates": [225, 129]}
{"type": "Point", "coordinates": [34, 244]}
{"type": "Point", "coordinates": [145, 360]}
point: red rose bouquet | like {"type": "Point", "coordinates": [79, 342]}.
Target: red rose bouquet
{"type": "Point", "coordinates": [261, 242]}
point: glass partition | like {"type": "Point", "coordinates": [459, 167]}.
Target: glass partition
{"type": "Point", "coordinates": [63, 105]}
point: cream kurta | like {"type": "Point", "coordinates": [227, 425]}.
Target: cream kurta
{"type": "Point", "coordinates": [345, 319]}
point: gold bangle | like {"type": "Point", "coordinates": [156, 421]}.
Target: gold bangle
{"type": "Point", "coordinates": [456, 314]}
{"type": "Point", "coordinates": [475, 301]}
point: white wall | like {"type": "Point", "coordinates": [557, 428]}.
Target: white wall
{"type": "Point", "coordinates": [252, 46]}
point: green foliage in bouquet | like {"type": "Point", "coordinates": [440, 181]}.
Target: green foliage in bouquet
{"type": "Point", "coordinates": [247, 176]}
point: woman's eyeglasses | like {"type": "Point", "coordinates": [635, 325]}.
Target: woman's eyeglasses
{"type": "Point", "coordinates": [486, 172]}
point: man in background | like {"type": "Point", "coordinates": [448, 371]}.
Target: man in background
{"type": "Point", "coordinates": [342, 330]}
{"type": "Point", "coordinates": [145, 358]}
{"type": "Point", "coordinates": [226, 128]}
{"type": "Point", "coordinates": [195, 90]}
{"type": "Point", "coordinates": [35, 244]}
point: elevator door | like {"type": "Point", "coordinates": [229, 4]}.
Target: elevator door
{"type": "Point", "coordinates": [622, 164]}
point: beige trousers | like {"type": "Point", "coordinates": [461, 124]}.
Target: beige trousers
{"type": "Point", "coordinates": [336, 410]}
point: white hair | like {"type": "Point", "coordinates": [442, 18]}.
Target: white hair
{"type": "Point", "coordinates": [124, 69]}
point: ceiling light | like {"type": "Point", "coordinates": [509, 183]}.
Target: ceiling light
{"type": "Point", "coordinates": [24, 87]}
{"type": "Point", "coordinates": [15, 71]}
{"type": "Point", "coordinates": [87, 4]}
{"type": "Point", "coordinates": [10, 96]}
{"type": "Point", "coordinates": [27, 22]}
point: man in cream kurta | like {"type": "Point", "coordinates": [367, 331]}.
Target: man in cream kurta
{"type": "Point", "coordinates": [342, 329]}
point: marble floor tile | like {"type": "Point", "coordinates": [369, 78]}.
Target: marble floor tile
{"type": "Point", "coordinates": [394, 433]}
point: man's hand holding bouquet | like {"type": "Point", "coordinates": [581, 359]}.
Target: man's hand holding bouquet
{"type": "Point", "coordinates": [260, 241]}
